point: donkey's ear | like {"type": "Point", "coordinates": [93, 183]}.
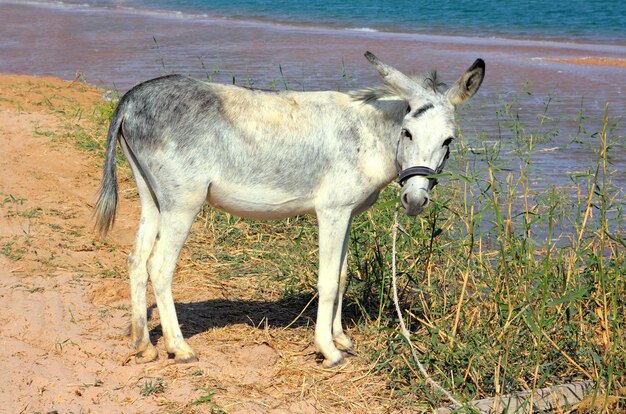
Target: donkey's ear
{"type": "Point", "coordinates": [468, 83]}
{"type": "Point", "coordinates": [393, 77]}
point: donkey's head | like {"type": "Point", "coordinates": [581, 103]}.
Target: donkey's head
{"type": "Point", "coordinates": [428, 127]}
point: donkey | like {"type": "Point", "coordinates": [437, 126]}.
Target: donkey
{"type": "Point", "coordinates": [269, 155]}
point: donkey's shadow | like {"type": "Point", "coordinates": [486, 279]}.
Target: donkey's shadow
{"type": "Point", "coordinates": [198, 317]}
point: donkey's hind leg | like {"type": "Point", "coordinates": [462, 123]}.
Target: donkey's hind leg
{"type": "Point", "coordinates": [138, 273]}
{"type": "Point", "coordinates": [173, 230]}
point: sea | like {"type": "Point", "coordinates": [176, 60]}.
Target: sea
{"type": "Point", "coordinates": [593, 20]}
{"type": "Point", "coordinates": [554, 68]}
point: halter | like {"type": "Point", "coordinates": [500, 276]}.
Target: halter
{"type": "Point", "coordinates": [423, 172]}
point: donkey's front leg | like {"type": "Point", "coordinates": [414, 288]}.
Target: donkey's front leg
{"type": "Point", "coordinates": [333, 232]}
{"type": "Point", "coordinates": [340, 338]}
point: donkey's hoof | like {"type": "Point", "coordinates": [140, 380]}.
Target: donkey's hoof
{"type": "Point", "coordinates": [184, 354]}
{"type": "Point", "coordinates": [185, 359]}
{"type": "Point", "coordinates": [343, 342]}
{"type": "Point", "coordinates": [333, 362]}
{"type": "Point", "coordinates": [147, 355]}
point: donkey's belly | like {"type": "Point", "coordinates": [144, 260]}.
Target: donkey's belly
{"type": "Point", "coordinates": [258, 202]}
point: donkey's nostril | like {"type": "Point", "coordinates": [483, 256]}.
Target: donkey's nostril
{"type": "Point", "coordinates": [405, 199]}
{"type": "Point", "coordinates": [425, 201]}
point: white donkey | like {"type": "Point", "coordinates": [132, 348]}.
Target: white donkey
{"type": "Point", "coordinates": [267, 155]}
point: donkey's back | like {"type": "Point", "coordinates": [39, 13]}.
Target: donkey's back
{"type": "Point", "coordinates": [183, 110]}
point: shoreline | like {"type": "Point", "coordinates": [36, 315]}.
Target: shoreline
{"type": "Point", "coordinates": [439, 34]}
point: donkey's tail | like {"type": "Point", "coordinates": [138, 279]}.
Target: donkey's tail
{"type": "Point", "coordinates": [107, 200]}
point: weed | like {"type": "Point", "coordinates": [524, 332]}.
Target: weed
{"type": "Point", "coordinates": [34, 212]}
{"type": "Point", "coordinates": [161, 57]}
{"type": "Point", "coordinates": [208, 399]}
{"type": "Point", "coordinates": [75, 233]}
{"type": "Point", "coordinates": [44, 132]}
{"type": "Point", "coordinates": [109, 274]}
{"type": "Point", "coordinates": [153, 386]}
{"type": "Point", "coordinates": [345, 76]}
{"type": "Point", "coordinates": [9, 199]}
{"type": "Point", "coordinates": [214, 71]}
{"type": "Point", "coordinates": [12, 252]}
{"type": "Point", "coordinates": [283, 78]}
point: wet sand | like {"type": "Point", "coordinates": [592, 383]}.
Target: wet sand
{"type": "Point", "coordinates": [117, 49]}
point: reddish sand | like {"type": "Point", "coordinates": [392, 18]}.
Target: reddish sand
{"type": "Point", "coordinates": [58, 350]}
{"type": "Point", "coordinates": [592, 61]}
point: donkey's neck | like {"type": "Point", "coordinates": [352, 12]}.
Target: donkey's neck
{"type": "Point", "coordinates": [382, 120]}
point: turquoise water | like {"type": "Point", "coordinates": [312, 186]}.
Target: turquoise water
{"type": "Point", "coordinates": [573, 20]}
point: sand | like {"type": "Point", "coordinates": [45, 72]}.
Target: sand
{"type": "Point", "coordinates": [592, 61]}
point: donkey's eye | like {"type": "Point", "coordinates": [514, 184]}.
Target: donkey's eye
{"type": "Point", "coordinates": [448, 141]}
{"type": "Point", "coordinates": [408, 109]}
{"type": "Point", "coordinates": [406, 134]}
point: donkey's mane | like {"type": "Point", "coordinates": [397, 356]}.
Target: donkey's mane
{"type": "Point", "coordinates": [429, 81]}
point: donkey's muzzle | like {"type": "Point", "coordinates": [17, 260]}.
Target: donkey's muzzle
{"type": "Point", "coordinates": [415, 197]}
{"type": "Point", "coordinates": [416, 186]}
